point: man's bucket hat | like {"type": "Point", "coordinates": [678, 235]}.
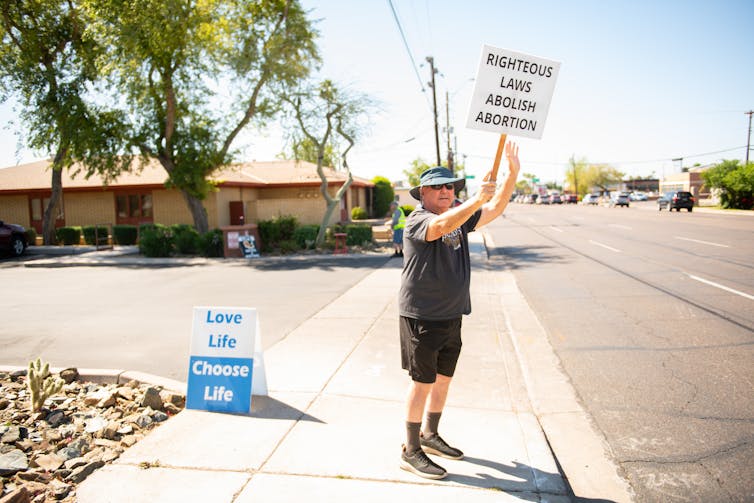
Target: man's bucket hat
{"type": "Point", "coordinates": [437, 176]}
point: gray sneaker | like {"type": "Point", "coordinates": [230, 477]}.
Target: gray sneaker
{"type": "Point", "coordinates": [436, 445]}
{"type": "Point", "coordinates": [417, 462]}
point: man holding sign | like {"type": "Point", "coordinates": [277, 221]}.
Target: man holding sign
{"type": "Point", "coordinates": [434, 295]}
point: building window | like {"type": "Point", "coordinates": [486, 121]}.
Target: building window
{"type": "Point", "coordinates": [133, 208]}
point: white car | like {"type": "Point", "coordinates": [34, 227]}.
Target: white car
{"type": "Point", "coordinates": [637, 196]}
{"type": "Point", "coordinates": [591, 199]}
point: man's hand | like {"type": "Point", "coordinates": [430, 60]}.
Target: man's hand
{"type": "Point", "coordinates": [511, 153]}
{"type": "Point", "coordinates": [487, 189]}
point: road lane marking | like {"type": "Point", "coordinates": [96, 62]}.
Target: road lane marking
{"type": "Point", "coordinates": [722, 287]}
{"type": "Point", "coordinates": [555, 228]}
{"type": "Point", "coordinates": [604, 246]}
{"type": "Point", "coordinates": [619, 226]}
{"type": "Point", "coordinates": [703, 242]}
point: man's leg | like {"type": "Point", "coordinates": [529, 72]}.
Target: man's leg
{"type": "Point", "coordinates": [413, 458]}
{"type": "Point", "coordinates": [415, 402]}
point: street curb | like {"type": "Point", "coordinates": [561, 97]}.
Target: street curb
{"type": "Point", "coordinates": [578, 446]}
{"type": "Point", "coordinates": [113, 376]}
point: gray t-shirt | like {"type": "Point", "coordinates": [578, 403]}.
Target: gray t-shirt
{"type": "Point", "coordinates": [436, 274]}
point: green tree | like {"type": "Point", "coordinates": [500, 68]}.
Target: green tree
{"type": "Point", "coordinates": [734, 181]}
{"type": "Point", "coordinates": [193, 75]}
{"type": "Point", "coordinates": [602, 176]}
{"type": "Point", "coordinates": [384, 194]}
{"type": "Point", "coordinates": [47, 65]}
{"type": "Point", "coordinates": [418, 166]}
{"type": "Point", "coordinates": [319, 112]}
{"type": "Point", "coordinates": [576, 176]}
{"type": "Point", "coordinates": [304, 149]}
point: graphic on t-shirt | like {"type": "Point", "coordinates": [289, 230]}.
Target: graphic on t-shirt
{"type": "Point", "coordinates": [453, 239]}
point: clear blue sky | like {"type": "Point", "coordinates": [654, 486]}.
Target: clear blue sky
{"type": "Point", "coordinates": [641, 82]}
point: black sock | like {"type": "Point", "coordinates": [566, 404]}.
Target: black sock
{"type": "Point", "coordinates": [433, 419]}
{"type": "Point", "coordinates": [412, 437]}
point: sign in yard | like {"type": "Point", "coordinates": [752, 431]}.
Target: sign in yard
{"type": "Point", "coordinates": [512, 93]}
{"type": "Point", "coordinates": [222, 359]}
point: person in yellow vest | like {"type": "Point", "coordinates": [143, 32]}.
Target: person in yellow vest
{"type": "Point", "coordinates": [397, 222]}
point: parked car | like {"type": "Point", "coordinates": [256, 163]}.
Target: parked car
{"type": "Point", "coordinates": [544, 199]}
{"type": "Point", "coordinates": [556, 199]}
{"type": "Point", "coordinates": [12, 238]}
{"type": "Point", "coordinates": [531, 198]}
{"type": "Point", "coordinates": [676, 200]}
{"type": "Point", "coordinates": [637, 196]}
{"type": "Point", "coordinates": [570, 198]}
{"type": "Point", "coordinates": [619, 199]}
{"type": "Point", "coordinates": [591, 199]}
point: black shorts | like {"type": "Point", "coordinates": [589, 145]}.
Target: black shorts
{"type": "Point", "coordinates": [429, 347]}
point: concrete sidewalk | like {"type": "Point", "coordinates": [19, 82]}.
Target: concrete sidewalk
{"type": "Point", "coordinates": [332, 426]}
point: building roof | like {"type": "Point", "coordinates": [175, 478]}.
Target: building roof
{"type": "Point", "coordinates": [36, 176]}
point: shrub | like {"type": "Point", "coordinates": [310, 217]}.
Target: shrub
{"type": "Point", "coordinates": [89, 234]}
{"type": "Point", "coordinates": [186, 239]}
{"type": "Point", "coordinates": [31, 236]}
{"type": "Point", "coordinates": [407, 209]}
{"type": "Point", "coordinates": [357, 234]}
{"type": "Point", "coordinates": [288, 246]}
{"type": "Point", "coordinates": [211, 243]}
{"type": "Point", "coordinates": [383, 196]}
{"type": "Point", "coordinates": [155, 240]}
{"type": "Point", "coordinates": [358, 213]}
{"type": "Point", "coordinates": [125, 234]}
{"type": "Point", "coordinates": [306, 235]}
{"type": "Point", "coordinates": [272, 232]}
{"type": "Point", "coordinates": [68, 235]}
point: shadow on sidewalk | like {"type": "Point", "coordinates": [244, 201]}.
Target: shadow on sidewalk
{"type": "Point", "coordinates": [266, 407]}
{"type": "Point", "coordinates": [516, 479]}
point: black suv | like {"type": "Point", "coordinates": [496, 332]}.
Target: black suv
{"type": "Point", "coordinates": [12, 238]}
{"type": "Point", "coordinates": [676, 201]}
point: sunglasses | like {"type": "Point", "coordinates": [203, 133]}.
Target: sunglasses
{"type": "Point", "coordinates": [448, 186]}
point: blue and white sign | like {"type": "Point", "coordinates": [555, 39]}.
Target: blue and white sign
{"type": "Point", "coordinates": [221, 363]}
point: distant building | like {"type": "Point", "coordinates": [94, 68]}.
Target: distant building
{"type": "Point", "coordinates": [689, 181]}
{"type": "Point", "coordinates": [247, 193]}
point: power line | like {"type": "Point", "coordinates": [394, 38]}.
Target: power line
{"type": "Point", "coordinates": [405, 44]}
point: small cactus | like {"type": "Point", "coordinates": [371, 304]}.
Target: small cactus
{"type": "Point", "coordinates": [41, 384]}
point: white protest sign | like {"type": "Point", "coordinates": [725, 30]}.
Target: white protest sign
{"type": "Point", "coordinates": [223, 359]}
{"type": "Point", "coordinates": [512, 93]}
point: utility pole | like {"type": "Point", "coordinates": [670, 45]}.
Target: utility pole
{"type": "Point", "coordinates": [431, 62]}
{"type": "Point", "coordinates": [748, 137]}
{"type": "Point", "coordinates": [448, 130]}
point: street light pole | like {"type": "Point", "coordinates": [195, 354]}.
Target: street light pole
{"type": "Point", "coordinates": [431, 62]}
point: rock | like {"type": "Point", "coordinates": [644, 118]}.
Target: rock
{"type": "Point", "coordinates": [143, 421]}
{"type": "Point", "coordinates": [176, 399]}
{"type": "Point", "coordinates": [95, 424]}
{"type": "Point", "coordinates": [68, 453]}
{"type": "Point", "coordinates": [126, 429]}
{"type": "Point", "coordinates": [152, 399]}
{"type": "Point", "coordinates": [20, 495]}
{"type": "Point", "coordinates": [49, 462]}
{"type": "Point", "coordinates": [69, 375]}
{"type": "Point", "coordinates": [128, 440]}
{"type": "Point", "coordinates": [13, 434]}
{"type": "Point", "coordinates": [40, 477]}
{"type": "Point", "coordinates": [59, 489]}
{"type": "Point", "coordinates": [79, 474]}
{"type": "Point", "coordinates": [125, 392]}
{"type": "Point", "coordinates": [100, 398]}
{"type": "Point", "coordinates": [12, 462]}
{"type": "Point", "coordinates": [159, 416]}
{"type": "Point", "coordinates": [55, 418]}
{"type": "Point", "coordinates": [74, 463]}
{"type": "Point", "coordinates": [4, 402]}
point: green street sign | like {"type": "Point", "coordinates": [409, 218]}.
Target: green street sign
{"type": "Point", "coordinates": [468, 177]}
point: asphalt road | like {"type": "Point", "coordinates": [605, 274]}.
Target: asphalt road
{"type": "Point", "coordinates": [139, 318]}
{"type": "Point", "coordinates": [652, 317]}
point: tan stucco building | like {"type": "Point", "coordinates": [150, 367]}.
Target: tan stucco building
{"type": "Point", "coordinates": [246, 193]}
